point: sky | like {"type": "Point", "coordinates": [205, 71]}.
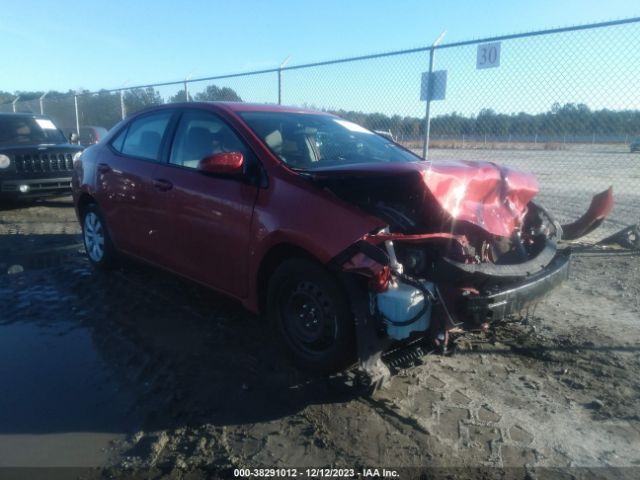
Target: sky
{"type": "Point", "coordinates": [65, 45]}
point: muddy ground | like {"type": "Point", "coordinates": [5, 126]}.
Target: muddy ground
{"type": "Point", "coordinates": [136, 369]}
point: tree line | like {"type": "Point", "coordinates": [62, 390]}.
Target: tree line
{"type": "Point", "coordinates": [105, 109]}
{"type": "Point", "coordinates": [567, 119]}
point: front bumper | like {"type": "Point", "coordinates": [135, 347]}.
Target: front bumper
{"type": "Point", "coordinates": [512, 292]}
{"type": "Point", "coordinates": [499, 303]}
{"type": "Point", "coordinates": [35, 187]}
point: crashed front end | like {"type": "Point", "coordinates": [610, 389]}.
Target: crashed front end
{"type": "Point", "coordinates": [464, 245]}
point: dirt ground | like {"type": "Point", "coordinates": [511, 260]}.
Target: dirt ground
{"type": "Point", "coordinates": [136, 369]}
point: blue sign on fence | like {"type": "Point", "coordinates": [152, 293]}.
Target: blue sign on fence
{"type": "Point", "coordinates": [438, 88]}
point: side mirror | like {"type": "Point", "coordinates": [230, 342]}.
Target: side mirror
{"type": "Point", "coordinates": [227, 163]}
{"type": "Point", "coordinates": [73, 138]}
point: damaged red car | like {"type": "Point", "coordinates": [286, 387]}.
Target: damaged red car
{"type": "Point", "coordinates": [348, 242]}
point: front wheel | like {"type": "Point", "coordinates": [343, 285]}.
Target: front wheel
{"type": "Point", "coordinates": [311, 314]}
{"type": "Point", "coordinates": [95, 236]}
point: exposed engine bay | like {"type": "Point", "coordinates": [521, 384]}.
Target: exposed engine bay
{"type": "Point", "coordinates": [463, 245]}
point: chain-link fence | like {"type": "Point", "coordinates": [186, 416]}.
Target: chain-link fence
{"type": "Point", "coordinates": [562, 103]}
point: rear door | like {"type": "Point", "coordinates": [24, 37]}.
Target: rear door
{"type": "Point", "coordinates": [211, 215]}
{"type": "Point", "coordinates": [126, 187]}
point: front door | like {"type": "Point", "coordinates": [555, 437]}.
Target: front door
{"type": "Point", "coordinates": [211, 215]}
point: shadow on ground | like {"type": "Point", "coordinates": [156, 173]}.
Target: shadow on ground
{"type": "Point", "coordinates": [175, 353]}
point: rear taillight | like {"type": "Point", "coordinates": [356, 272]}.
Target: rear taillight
{"type": "Point", "coordinates": [380, 282]}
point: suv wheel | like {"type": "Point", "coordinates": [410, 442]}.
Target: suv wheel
{"type": "Point", "coordinates": [95, 236]}
{"type": "Point", "coordinates": [311, 314]}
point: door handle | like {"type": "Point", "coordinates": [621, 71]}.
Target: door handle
{"type": "Point", "coordinates": [104, 168]}
{"type": "Point", "coordinates": [162, 184]}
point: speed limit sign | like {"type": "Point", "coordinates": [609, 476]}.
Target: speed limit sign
{"type": "Point", "coordinates": [488, 55]}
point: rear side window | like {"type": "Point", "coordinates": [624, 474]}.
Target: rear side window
{"type": "Point", "coordinates": [143, 137]}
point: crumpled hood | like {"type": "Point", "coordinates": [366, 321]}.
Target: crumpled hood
{"type": "Point", "coordinates": [490, 196]}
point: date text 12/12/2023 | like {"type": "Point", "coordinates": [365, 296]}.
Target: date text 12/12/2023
{"type": "Point", "coordinates": [315, 473]}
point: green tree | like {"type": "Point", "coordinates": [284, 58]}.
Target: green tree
{"type": "Point", "coordinates": [102, 109]}
{"type": "Point", "coordinates": [215, 93]}
{"type": "Point", "coordinates": [140, 98]}
{"type": "Point", "coordinates": [6, 97]}
{"type": "Point", "coordinates": [179, 97]}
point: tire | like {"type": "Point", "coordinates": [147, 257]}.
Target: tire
{"type": "Point", "coordinates": [311, 315]}
{"type": "Point", "coordinates": [96, 239]}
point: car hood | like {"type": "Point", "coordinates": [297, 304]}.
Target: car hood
{"type": "Point", "coordinates": [485, 194]}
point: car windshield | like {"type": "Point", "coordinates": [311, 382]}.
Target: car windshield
{"type": "Point", "coordinates": [309, 141]}
{"type": "Point", "coordinates": [24, 130]}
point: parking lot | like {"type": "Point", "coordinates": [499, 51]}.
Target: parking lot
{"type": "Point", "coordinates": [135, 368]}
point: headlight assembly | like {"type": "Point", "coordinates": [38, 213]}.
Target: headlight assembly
{"type": "Point", "coordinates": [4, 161]}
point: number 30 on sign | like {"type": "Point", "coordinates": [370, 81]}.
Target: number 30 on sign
{"type": "Point", "coordinates": [488, 55]}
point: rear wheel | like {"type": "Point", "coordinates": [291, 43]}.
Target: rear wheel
{"type": "Point", "coordinates": [95, 236]}
{"type": "Point", "coordinates": [311, 314]}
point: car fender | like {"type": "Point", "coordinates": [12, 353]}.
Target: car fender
{"type": "Point", "coordinates": [295, 212]}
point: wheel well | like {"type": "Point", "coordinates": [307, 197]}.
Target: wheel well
{"type": "Point", "coordinates": [270, 262]}
{"type": "Point", "coordinates": [83, 202]}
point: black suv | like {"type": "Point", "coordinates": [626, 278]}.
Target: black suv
{"type": "Point", "coordinates": [36, 159]}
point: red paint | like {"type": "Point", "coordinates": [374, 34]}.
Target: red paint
{"type": "Point", "coordinates": [601, 206]}
{"type": "Point", "coordinates": [485, 194]}
{"type": "Point", "coordinates": [490, 196]}
{"type": "Point", "coordinates": [222, 163]}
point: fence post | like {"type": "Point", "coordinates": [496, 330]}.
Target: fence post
{"type": "Point", "coordinates": [280, 86]}
{"type": "Point", "coordinates": [75, 102]}
{"type": "Point", "coordinates": [427, 113]}
{"type": "Point", "coordinates": [42, 103]}
{"type": "Point", "coordinates": [13, 104]}
{"type": "Point", "coordinates": [123, 112]}
{"type": "Point", "coordinates": [282, 65]}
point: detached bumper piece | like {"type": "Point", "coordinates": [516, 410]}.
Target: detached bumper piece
{"type": "Point", "coordinates": [495, 305]}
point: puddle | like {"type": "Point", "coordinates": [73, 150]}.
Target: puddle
{"type": "Point", "coordinates": [59, 405]}
{"type": "Point", "coordinates": [17, 263]}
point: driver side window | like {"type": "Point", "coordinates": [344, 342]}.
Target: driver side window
{"type": "Point", "coordinates": [201, 134]}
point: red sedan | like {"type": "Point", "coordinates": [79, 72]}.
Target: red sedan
{"type": "Point", "coordinates": [347, 241]}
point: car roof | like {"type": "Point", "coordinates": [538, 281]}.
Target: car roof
{"type": "Point", "coordinates": [261, 107]}
{"type": "Point", "coordinates": [241, 107]}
